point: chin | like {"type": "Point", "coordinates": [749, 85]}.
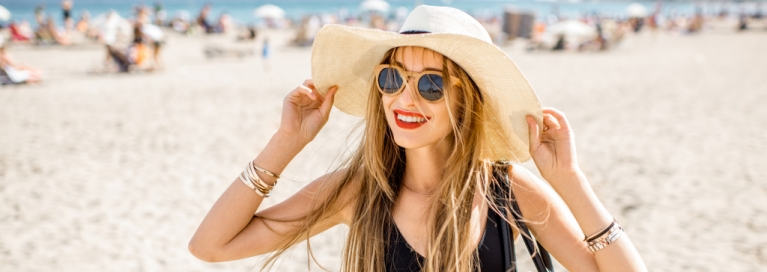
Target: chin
{"type": "Point", "coordinates": [408, 142]}
{"type": "Point", "coordinates": [416, 138]}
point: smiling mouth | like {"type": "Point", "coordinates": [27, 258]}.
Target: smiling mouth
{"type": "Point", "coordinates": [409, 120]}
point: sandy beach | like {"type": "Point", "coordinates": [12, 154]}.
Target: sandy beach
{"type": "Point", "coordinates": [114, 172]}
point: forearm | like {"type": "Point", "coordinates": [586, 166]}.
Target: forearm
{"type": "Point", "coordinates": [235, 208]}
{"type": "Point", "coordinates": [593, 217]}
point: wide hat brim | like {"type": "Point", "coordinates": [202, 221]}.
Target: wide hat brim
{"type": "Point", "coordinates": [345, 56]}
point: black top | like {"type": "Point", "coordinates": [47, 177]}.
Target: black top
{"type": "Point", "coordinates": [400, 256]}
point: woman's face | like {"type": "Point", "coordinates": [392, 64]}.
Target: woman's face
{"type": "Point", "coordinates": [416, 122]}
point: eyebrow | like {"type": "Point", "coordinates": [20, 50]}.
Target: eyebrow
{"type": "Point", "coordinates": [425, 69]}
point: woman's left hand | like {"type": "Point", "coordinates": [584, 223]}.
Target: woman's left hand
{"type": "Point", "coordinates": [553, 148]}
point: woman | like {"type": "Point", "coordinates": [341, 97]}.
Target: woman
{"type": "Point", "coordinates": [13, 72]}
{"type": "Point", "coordinates": [418, 193]}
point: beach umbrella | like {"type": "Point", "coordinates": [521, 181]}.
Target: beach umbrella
{"type": "Point", "coordinates": [269, 11]}
{"type": "Point", "coordinates": [636, 10]}
{"type": "Point", "coordinates": [111, 25]}
{"type": "Point", "coordinates": [5, 15]}
{"type": "Point", "coordinates": [375, 5]}
{"type": "Point", "coordinates": [572, 28]}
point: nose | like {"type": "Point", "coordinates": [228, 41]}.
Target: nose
{"type": "Point", "coordinates": [408, 96]}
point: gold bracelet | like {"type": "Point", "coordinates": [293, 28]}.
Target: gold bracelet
{"type": "Point", "coordinates": [250, 178]}
{"type": "Point", "coordinates": [253, 168]}
{"type": "Point", "coordinates": [246, 181]}
{"type": "Point", "coordinates": [262, 170]}
{"type": "Point", "coordinates": [262, 188]}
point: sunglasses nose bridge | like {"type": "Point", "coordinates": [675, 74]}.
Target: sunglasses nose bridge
{"type": "Point", "coordinates": [408, 95]}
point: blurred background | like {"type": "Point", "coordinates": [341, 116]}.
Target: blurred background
{"type": "Point", "coordinates": [121, 122]}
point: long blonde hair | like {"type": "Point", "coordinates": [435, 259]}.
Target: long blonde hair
{"type": "Point", "coordinates": [375, 171]}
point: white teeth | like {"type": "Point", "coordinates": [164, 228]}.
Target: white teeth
{"type": "Point", "coordinates": [410, 119]}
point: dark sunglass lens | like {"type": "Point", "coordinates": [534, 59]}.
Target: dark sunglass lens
{"type": "Point", "coordinates": [389, 80]}
{"type": "Point", "coordinates": [430, 87]}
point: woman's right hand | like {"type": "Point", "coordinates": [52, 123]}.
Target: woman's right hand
{"type": "Point", "coordinates": [305, 111]}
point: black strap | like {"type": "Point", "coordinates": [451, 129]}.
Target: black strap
{"type": "Point", "coordinates": [540, 256]}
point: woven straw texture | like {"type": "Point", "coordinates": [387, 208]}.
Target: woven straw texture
{"type": "Point", "coordinates": [345, 57]}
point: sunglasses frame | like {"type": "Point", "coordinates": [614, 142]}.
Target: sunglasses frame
{"type": "Point", "coordinates": [405, 74]}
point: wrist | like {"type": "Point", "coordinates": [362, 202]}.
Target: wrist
{"type": "Point", "coordinates": [278, 153]}
{"type": "Point", "coordinates": [290, 139]}
{"type": "Point", "coordinates": [287, 143]}
{"type": "Point", "coordinates": [568, 174]}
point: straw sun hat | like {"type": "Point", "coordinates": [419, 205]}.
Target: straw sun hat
{"type": "Point", "coordinates": [345, 56]}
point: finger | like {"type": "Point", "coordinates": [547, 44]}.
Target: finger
{"type": "Point", "coordinates": [327, 104]}
{"type": "Point", "coordinates": [549, 122]}
{"type": "Point", "coordinates": [559, 116]}
{"type": "Point", "coordinates": [307, 91]}
{"type": "Point", "coordinates": [310, 83]}
{"type": "Point", "coordinates": [534, 133]}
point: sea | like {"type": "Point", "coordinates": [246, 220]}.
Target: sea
{"type": "Point", "coordinates": [242, 11]}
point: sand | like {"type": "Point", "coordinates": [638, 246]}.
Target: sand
{"type": "Point", "coordinates": [105, 172]}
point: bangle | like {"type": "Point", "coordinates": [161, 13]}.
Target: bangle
{"type": "Point", "coordinates": [601, 232]}
{"type": "Point", "coordinates": [262, 170]}
{"type": "Point", "coordinates": [250, 178]}
{"type": "Point", "coordinates": [607, 238]}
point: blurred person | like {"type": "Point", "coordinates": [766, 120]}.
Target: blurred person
{"type": "Point", "coordinates": [742, 20]}
{"type": "Point", "coordinates": [66, 10]}
{"type": "Point", "coordinates": [377, 21]}
{"type": "Point", "coordinates": [435, 184]}
{"type": "Point", "coordinates": [600, 41]}
{"type": "Point", "coordinates": [636, 24]}
{"type": "Point", "coordinates": [20, 32]}
{"type": "Point", "coordinates": [248, 34]}
{"type": "Point", "coordinates": [143, 15]}
{"type": "Point", "coordinates": [180, 23]}
{"type": "Point", "coordinates": [58, 35]}
{"type": "Point", "coordinates": [224, 24]}
{"type": "Point", "coordinates": [652, 20]}
{"type": "Point", "coordinates": [265, 54]}
{"type": "Point", "coordinates": [83, 25]}
{"type": "Point", "coordinates": [561, 43]}
{"type": "Point", "coordinates": [696, 23]}
{"type": "Point", "coordinates": [12, 72]}
{"type": "Point", "coordinates": [134, 56]}
{"type": "Point", "coordinates": [156, 37]}
{"type": "Point", "coordinates": [537, 36]}
{"type": "Point", "coordinates": [202, 19]}
{"type": "Point", "coordinates": [40, 15]}
{"type": "Point", "coordinates": [307, 28]}
{"type": "Point", "coordinates": [159, 14]}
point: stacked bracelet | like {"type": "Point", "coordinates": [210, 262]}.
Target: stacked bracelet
{"type": "Point", "coordinates": [604, 237]}
{"type": "Point", "coordinates": [250, 178]}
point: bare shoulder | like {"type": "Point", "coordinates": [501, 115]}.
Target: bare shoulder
{"type": "Point", "coordinates": [550, 220]}
{"type": "Point", "coordinates": [532, 192]}
{"type": "Point", "coordinates": [539, 203]}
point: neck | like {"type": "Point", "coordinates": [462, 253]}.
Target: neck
{"type": "Point", "coordinates": [423, 167]}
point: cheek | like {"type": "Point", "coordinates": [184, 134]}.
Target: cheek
{"type": "Point", "coordinates": [444, 121]}
{"type": "Point", "coordinates": [386, 103]}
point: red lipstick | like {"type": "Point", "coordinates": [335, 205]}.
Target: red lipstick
{"type": "Point", "coordinates": [412, 120]}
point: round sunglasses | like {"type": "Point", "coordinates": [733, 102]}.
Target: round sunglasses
{"type": "Point", "coordinates": [390, 80]}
